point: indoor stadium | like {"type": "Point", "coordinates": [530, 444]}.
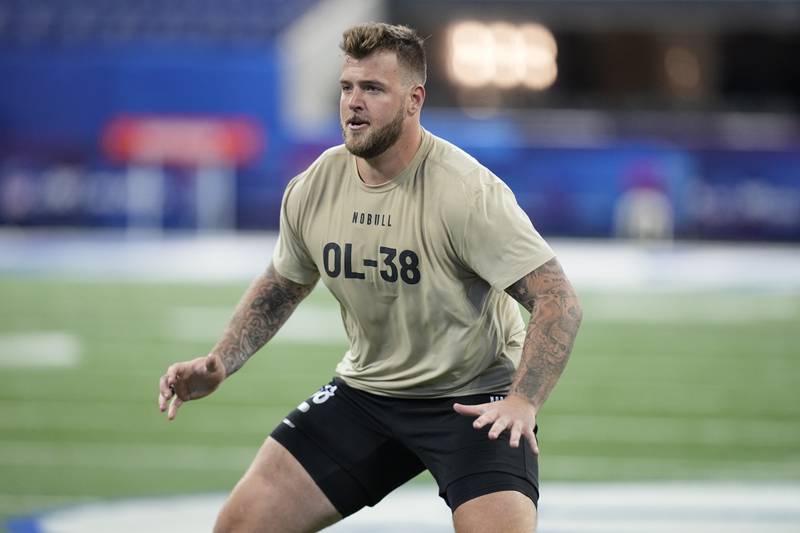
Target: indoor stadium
{"type": "Point", "coordinates": [145, 148]}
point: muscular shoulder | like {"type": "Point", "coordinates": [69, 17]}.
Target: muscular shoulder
{"type": "Point", "coordinates": [460, 179]}
{"type": "Point", "coordinates": [323, 172]}
{"type": "Point", "coordinates": [318, 180]}
{"type": "Point", "coordinates": [447, 159]}
{"type": "Point", "coordinates": [334, 157]}
{"type": "Point", "coordinates": [462, 174]}
{"type": "Point", "coordinates": [469, 195]}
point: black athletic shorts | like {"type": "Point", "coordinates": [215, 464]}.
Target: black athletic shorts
{"type": "Point", "coordinates": [358, 447]}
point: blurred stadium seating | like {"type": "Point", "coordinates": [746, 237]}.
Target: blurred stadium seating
{"type": "Point", "coordinates": [97, 22]}
{"type": "Point", "coordinates": [661, 120]}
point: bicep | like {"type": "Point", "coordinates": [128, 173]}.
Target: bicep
{"type": "Point", "coordinates": [288, 290]}
{"type": "Point", "coordinates": [548, 281]}
{"type": "Point", "coordinates": [500, 242]}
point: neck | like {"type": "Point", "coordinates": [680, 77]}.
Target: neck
{"type": "Point", "coordinates": [390, 163]}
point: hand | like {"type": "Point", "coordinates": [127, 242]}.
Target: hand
{"type": "Point", "coordinates": [514, 413]}
{"type": "Point", "coordinates": [189, 380]}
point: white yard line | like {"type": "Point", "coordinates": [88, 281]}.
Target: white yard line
{"type": "Point", "coordinates": [654, 466]}
{"type": "Point", "coordinates": [116, 456]}
{"type": "Point", "coordinates": [310, 324]}
{"type": "Point", "coordinates": [12, 503]}
{"type": "Point", "coordinates": [591, 264]}
{"type": "Point", "coordinates": [39, 349]}
{"type": "Point", "coordinates": [564, 507]}
{"type": "Point", "coordinates": [670, 430]}
{"type": "Point", "coordinates": [721, 309]}
{"type": "Point", "coordinates": [110, 255]}
{"type": "Point", "coordinates": [661, 507]}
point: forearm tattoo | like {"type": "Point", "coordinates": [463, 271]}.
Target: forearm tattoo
{"type": "Point", "coordinates": [555, 317]}
{"type": "Point", "coordinates": [261, 312]}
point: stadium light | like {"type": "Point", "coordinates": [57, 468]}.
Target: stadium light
{"type": "Point", "coordinates": [682, 67]}
{"type": "Point", "coordinates": [502, 55]}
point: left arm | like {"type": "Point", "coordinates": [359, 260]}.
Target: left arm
{"type": "Point", "coordinates": [555, 317]}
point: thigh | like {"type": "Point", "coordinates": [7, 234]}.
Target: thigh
{"type": "Point", "coordinates": [340, 438]}
{"type": "Point", "coordinates": [276, 494]}
{"type": "Point", "coordinates": [506, 511]}
{"type": "Point", "coordinates": [464, 461]}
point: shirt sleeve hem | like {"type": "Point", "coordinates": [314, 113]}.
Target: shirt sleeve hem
{"type": "Point", "coordinates": [294, 276]}
{"type": "Point", "coordinates": [504, 283]}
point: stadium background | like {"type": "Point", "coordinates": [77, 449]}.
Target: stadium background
{"type": "Point", "coordinates": [144, 148]}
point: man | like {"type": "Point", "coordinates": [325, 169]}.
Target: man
{"type": "Point", "coordinates": [426, 251]}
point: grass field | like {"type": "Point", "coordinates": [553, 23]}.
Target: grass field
{"type": "Point", "coordinates": [662, 385]}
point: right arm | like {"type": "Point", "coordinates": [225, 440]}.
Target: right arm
{"type": "Point", "coordinates": [261, 312]}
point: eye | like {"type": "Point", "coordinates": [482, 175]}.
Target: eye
{"type": "Point", "coordinates": [346, 88]}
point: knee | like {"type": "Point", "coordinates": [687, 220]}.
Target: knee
{"type": "Point", "coordinates": [253, 505]}
{"type": "Point", "coordinates": [220, 526]}
{"type": "Point", "coordinates": [243, 509]}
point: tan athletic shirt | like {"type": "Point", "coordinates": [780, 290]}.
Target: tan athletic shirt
{"type": "Point", "coordinates": [419, 266]}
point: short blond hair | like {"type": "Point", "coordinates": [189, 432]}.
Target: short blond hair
{"type": "Point", "coordinates": [360, 41]}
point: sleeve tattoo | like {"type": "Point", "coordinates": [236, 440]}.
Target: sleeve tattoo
{"type": "Point", "coordinates": [263, 309]}
{"type": "Point", "coordinates": [555, 317]}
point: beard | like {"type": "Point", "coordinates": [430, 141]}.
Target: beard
{"type": "Point", "coordinates": [373, 144]}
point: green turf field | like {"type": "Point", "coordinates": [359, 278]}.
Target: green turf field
{"type": "Point", "coordinates": [661, 386]}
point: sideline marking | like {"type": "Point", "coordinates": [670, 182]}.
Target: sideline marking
{"type": "Point", "coordinates": [225, 257]}
{"type": "Point", "coordinates": [712, 308]}
{"type": "Point", "coordinates": [309, 324]}
{"type": "Point", "coordinates": [574, 507]}
{"type": "Point", "coordinates": [39, 349]}
{"type": "Point", "coordinates": [125, 456]}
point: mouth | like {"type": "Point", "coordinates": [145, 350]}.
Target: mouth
{"type": "Point", "coordinates": [355, 123]}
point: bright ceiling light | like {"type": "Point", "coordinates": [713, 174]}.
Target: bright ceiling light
{"type": "Point", "coordinates": [502, 55]}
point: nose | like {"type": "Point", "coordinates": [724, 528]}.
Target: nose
{"type": "Point", "coordinates": [354, 100]}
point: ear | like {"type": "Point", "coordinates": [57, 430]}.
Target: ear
{"type": "Point", "coordinates": [415, 99]}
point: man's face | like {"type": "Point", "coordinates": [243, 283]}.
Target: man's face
{"type": "Point", "coordinates": [372, 107]}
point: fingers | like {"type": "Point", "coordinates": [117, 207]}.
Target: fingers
{"type": "Point", "coordinates": [485, 416]}
{"type": "Point", "coordinates": [173, 408]}
{"type": "Point", "coordinates": [485, 419]}
{"type": "Point", "coordinates": [530, 436]}
{"type": "Point", "coordinates": [498, 427]}
{"type": "Point", "coordinates": [188, 380]}
{"type": "Point", "coordinates": [516, 434]}
{"type": "Point", "coordinates": [518, 430]}
{"type": "Point", "coordinates": [516, 423]}
{"type": "Point", "coordinates": [165, 392]}
{"type": "Point", "coordinates": [469, 410]}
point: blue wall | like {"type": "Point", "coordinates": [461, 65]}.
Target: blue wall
{"type": "Point", "coordinates": [54, 104]}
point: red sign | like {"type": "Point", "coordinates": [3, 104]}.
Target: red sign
{"type": "Point", "coordinates": [186, 141]}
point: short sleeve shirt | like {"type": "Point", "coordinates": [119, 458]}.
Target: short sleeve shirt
{"type": "Point", "coordinates": [419, 266]}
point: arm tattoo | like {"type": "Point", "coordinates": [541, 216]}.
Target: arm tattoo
{"type": "Point", "coordinates": [555, 317]}
{"type": "Point", "coordinates": [261, 312]}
